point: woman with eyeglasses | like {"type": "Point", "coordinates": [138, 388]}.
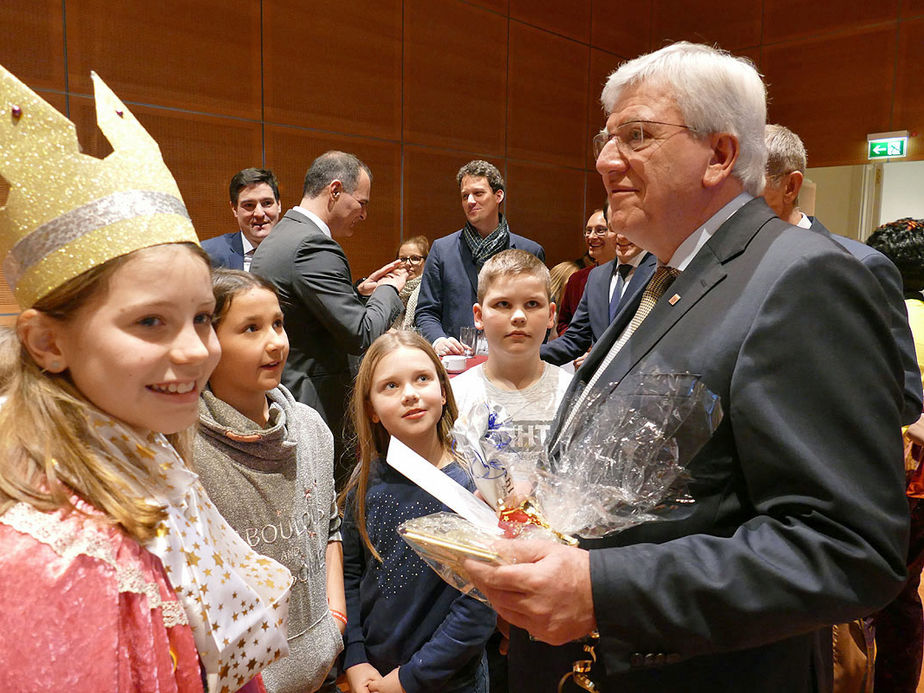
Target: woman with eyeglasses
{"type": "Point", "coordinates": [413, 253]}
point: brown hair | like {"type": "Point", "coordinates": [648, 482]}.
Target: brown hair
{"type": "Point", "coordinates": [48, 450]}
{"type": "Point", "coordinates": [420, 241]}
{"type": "Point", "coordinates": [512, 263]}
{"type": "Point", "coordinates": [228, 283]}
{"type": "Point", "coordinates": [372, 438]}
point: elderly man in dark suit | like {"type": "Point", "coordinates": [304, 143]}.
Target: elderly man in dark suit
{"type": "Point", "coordinates": [327, 319]}
{"type": "Point", "coordinates": [254, 195]}
{"type": "Point", "coordinates": [449, 286]}
{"type": "Point", "coordinates": [799, 519]}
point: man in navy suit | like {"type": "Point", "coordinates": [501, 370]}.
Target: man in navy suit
{"type": "Point", "coordinates": [798, 517]}
{"type": "Point", "coordinates": [609, 286]}
{"type": "Point", "coordinates": [448, 288]}
{"type": "Point", "coordinates": [254, 195]}
{"type": "Point", "coordinates": [786, 164]}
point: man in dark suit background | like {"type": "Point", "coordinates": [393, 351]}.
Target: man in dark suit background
{"type": "Point", "coordinates": [326, 318]}
{"type": "Point", "coordinates": [799, 518]}
{"type": "Point", "coordinates": [449, 286]}
{"type": "Point", "coordinates": [609, 286]}
{"type": "Point", "coordinates": [786, 164]}
{"type": "Point", "coordinates": [254, 195]}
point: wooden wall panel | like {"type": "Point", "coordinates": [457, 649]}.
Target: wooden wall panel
{"type": "Point", "coordinates": [334, 67]}
{"type": "Point", "coordinates": [547, 106]}
{"type": "Point", "coordinates": [571, 19]}
{"type": "Point", "coordinates": [498, 6]}
{"type": "Point", "coordinates": [546, 203]}
{"type": "Point", "coordinates": [785, 20]}
{"type": "Point", "coordinates": [289, 152]}
{"type": "Point", "coordinates": [169, 53]}
{"type": "Point", "coordinates": [601, 67]}
{"type": "Point", "coordinates": [33, 42]}
{"type": "Point", "coordinates": [455, 76]}
{"type": "Point", "coordinates": [832, 91]}
{"type": "Point", "coordinates": [432, 203]}
{"type": "Point", "coordinates": [625, 31]}
{"type": "Point", "coordinates": [908, 113]}
{"type": "Point", "coordinates": [912, 8]}
{"type": "Point", "coordinates": [195, 149]}
{"type": "Point", "coordinates": [729, 23]}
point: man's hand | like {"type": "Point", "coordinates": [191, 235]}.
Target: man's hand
{"type": "Point", "coordinates": [579, 361]}
{"type": "Point", "coordinates": [393, 274]}
{"type": "Point", "coordinates": [916, 431]}
{"type": "Point", "coordinates": [546, 591]}
{"type": "Point", "coordinates": [360, 675]}
{"type": "Point", "coordinates": [388, 684]}
{"type": "Point", "coordinates": [448, 345]}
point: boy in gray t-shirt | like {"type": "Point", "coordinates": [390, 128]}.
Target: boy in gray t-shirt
{"type": "Point", "coordinates": [515, 310]}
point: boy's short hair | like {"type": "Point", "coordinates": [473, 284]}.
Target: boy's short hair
{"type": "Point", "coordinates": [512, 263]}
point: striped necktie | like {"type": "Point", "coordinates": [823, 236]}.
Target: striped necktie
{"type": "Point", "coordinates": [663, 277]}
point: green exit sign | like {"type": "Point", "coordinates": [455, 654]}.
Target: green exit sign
{"type": "Point", "coordinates": [887, 148]}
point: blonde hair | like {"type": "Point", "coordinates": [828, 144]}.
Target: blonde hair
{"type": "Point", "coordinates": [560, 274]}
{"type": "Point", "coordinates": [372, 438]}
{"type": "Point", "coordinates": [48, 450]}
{"type": "Point", "coordinates": [512, 263]}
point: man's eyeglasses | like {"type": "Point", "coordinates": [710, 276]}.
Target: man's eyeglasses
{"type": "Point", "coordinates": [631, 137]}
{"type": "Point", "coordinates": [598, 231]}
{"type": "Point", "coordinates": [412, 259]}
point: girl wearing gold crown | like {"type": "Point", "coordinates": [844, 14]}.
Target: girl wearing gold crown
{"type": "Point", "coordinates": [117, 572]}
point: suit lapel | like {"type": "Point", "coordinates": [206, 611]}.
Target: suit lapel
{"type": "Point", "coordinates": [598, 297]}
{"type": "Point", "coordinates": [468, 263]}
{"type": "Point", "coordinates": [703, 273]}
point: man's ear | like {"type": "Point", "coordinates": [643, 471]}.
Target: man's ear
{"type": "Point", "coordinates": [552, 316]}
{"type": "Point", "coordinates": [41, 335]}
{"type": "Point", "coordinates": [793, 186]}
{"type": "Point", "coordinates": [725, 151]}
{"type": "Point", "coordinates": [335, 187]}
{"type": "Point", "coordinates": [476, 313]}
{"type": "Point", "coordinates": [499, 196]}
{"type": "Point", "coordinates": [233, 208]}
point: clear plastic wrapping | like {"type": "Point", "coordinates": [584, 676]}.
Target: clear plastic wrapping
{"type": "Point", "coordinates": [621, 461]}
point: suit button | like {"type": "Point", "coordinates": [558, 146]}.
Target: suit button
{"type": "Point", "coordinates": [650, 659]}
{"type": "Point", "coordinates": [636, 659]}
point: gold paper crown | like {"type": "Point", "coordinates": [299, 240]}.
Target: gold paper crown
{"type": "Point", "coordinates": [68, 212]}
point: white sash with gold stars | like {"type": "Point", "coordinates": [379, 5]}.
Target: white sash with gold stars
{"type": "Point", "coordinates": [236, 600]}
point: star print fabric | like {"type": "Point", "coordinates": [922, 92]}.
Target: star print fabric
{"type": "Point", "coordinates": [235, 599]}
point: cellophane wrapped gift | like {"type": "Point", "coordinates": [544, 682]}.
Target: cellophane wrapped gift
{"type": "Point", "coordinates": [619, 462]}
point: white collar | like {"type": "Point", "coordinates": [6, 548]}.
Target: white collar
{"type": "Point", "coordinates": [325, 229]}
{"type": "Point", "coordinates": [804, 222]}
{"type": "Point", "coordinates": [248, 246]}
{"type": "Point", "coordinates": [696, 240]}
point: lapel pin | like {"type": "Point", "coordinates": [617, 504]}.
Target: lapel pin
{"type": "Point", "coordinates": [674, 299]}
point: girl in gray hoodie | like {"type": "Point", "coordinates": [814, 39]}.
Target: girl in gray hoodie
{"type": "Point", "coordinates": [267, 464]}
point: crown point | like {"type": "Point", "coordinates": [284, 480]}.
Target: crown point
{"type": "Point", "coordinates": [17, 112]}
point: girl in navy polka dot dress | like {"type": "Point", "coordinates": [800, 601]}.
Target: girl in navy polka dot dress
{"type": "Point", "coordinates": [407, 630]}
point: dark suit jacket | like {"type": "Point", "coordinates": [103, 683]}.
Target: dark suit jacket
{"type": "Point", "coordinates": [325, 318]}
{"type": "Point", "coordinates": [449, 287]}
{"type": "Point", "coordinates": [226, 251]}
{"type": "Point", "coordinates": [592, 316]}
{"type": "Point", "coordinates": [800, 519]}
{"type": "Point", "coordinates": [890, 279]}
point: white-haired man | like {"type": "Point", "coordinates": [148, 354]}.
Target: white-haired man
{"type": "Point", "coordinates": [799, 519]}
